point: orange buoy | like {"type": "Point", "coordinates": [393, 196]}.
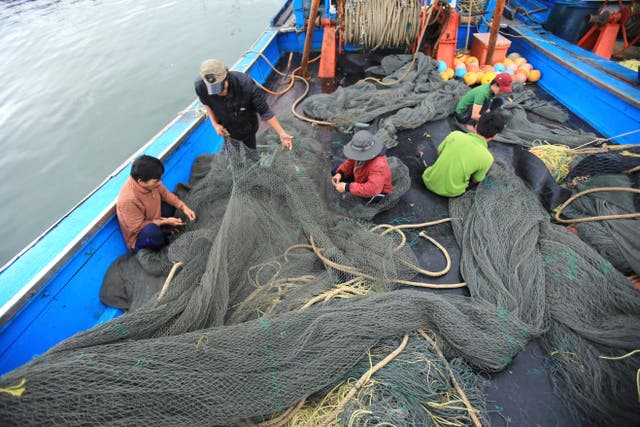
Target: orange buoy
{"type": "Point", "coordinates": [471, 78]}
{"type": "Point", "coordinates": [471, 59]}
{"type": "Point", "coordinates": [519, 61]}
{"type": "Point", "coordinates": [521, 76]}
{"type": "Point", "coordinates": [534, 76]}
{"type": "Point", "coordinates": [524, 71]}
{"type": "Point", "coordinates": [473, 67]}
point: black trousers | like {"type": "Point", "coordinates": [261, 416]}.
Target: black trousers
{"type": "Point", "coordinates": [489, 105]}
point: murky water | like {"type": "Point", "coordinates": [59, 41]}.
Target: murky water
{"type": "Point", "coordinates": [85, 83]}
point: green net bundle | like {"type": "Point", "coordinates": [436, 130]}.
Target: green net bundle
{"type": "Point", "coordinates": [559, 286]}
{"type": "Point", "coordinates": [616, 240]}
{"type": "Point", "coordinates": [412, 90]}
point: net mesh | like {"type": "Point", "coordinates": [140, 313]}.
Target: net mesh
{"type": "Point", "coordinates": [559, 286]}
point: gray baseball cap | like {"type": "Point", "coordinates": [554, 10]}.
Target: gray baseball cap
{"type": "Point", "coordinates": [213, 73]}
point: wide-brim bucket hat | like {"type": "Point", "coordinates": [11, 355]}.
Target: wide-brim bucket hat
{"type": "Point", "coordinates": [363, 146]}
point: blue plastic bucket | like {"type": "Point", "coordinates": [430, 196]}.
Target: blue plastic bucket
{"type": "Point", "coordinates": [568, 19]}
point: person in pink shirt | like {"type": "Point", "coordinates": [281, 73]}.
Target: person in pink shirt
{"type": "Point", "coordinates": [145, 208]}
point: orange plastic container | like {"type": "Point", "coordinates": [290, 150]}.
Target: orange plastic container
{"type": "Point", "coordinates": [480, 45]}
{"type": "Point", "coordinates": [447, 46]}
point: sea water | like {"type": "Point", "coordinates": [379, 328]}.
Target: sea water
{"type": "Point", "coordinates": [85, 83]}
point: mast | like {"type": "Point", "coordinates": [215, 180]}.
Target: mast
{"type": "Point", "coordinates": [493, 34]}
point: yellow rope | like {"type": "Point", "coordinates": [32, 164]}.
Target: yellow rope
{"type": "Point", "coordinates": [623, 357]}
{"type": "Point", "coordinates": [363, 380]}
{"type": "Point", "coordinates": [472, 411]}
{"type": "Point", "coordinates": [283, 418]}
{"type": "Point", "coordinates": [15, 390]}
{"type": "Point", "coordinates": [620, 357]}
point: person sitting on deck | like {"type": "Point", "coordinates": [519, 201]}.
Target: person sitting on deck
{"type": "Point", "coordinates": [145, 207]}
{"type": "Point", "coordinates": [366, 172]}
{"type": "Point", "coordinates": [482, 99]}
{"type": "Point", "coordinates": [233, 101]}
{"type": "Point", "coordinates": [463, 158]}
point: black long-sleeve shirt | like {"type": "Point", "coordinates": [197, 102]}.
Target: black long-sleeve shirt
{"type": "Point", "coordinates": [237, 110]}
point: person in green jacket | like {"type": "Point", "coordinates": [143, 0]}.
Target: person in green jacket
{"type": "Point", "coordinates": [463, 158]}
{"type": "Point", "coordinates": [482, 99]}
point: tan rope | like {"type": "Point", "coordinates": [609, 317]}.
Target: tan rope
{"type": "Point", "coordinates": [172, 273]}
{"type": "Point", "coordinates": [463, 396]}
{"type": "Point", "coordinates": [292, 247]}
{"type": "Point", "coordinates": [326, 296]}
{"type": "Point", "coordinates": [363, 379]}
{"type": "Point", "coordinates": [285, 417]}
{"type": "Point", "coordinates": [632, 170]}
{"type": "Point", "coordinates": [415, 56]}
{"type": "Point", "coordinates": [354, 271]}
{"type": "Point", "coordinates": [596, 218]}
{"type": "Point", "coordinates": [398, 229]}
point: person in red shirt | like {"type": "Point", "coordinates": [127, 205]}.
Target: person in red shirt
{"type": "Point", "coordinates": [366, 172]}
{"type": "Point", "coordinates": [145, 207]}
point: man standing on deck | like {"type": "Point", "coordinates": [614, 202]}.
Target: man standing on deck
{"type": "Point", "coordinates": [463, 158]}
{"type": "Point", "coordinates": [482, 99]}
{"type": "Point", "coordinates": [145, 207]}
{"type": "Point", "coordinates": [233, 101]}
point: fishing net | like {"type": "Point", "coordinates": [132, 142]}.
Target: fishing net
{"type": "Point", "coordinates": [417, 388]}
{"type": "Point", "coordinates": [522, 131]}
{"type": "Point", "coordinates": [608, 161]}
{"type": "Point", "coordinates": [559, 286]}
{"type": "Point", "coordinates": [419, 96]}
{"type": "Point", "coordinates": [616, 240]}
{"type": "Point", "coordinates": [279, 297]}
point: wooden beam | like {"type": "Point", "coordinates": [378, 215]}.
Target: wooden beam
{"type": "Point", "coordinates": [493, 34]}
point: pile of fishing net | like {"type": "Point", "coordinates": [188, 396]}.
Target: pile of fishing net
{"type": "Point", "coordinates": [282, 309]}
{"type": "Point", "coordinates": [586, 311]}
{"type": "Point", "coordinates": [409, 93]}
{"type": "Point", "coordinates": [258, 319]}
{"type": "Point", "coordinates": [617, 240]}
{"type": "Point", "coordinates": [605, 200]}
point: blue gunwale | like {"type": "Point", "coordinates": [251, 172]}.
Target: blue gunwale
{"type": "Point", "coordinates": [601, 92]}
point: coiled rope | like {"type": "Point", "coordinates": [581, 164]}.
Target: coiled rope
{"type": "Point", "coordinates": [375, 24]}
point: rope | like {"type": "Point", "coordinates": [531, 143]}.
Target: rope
{"type": "Point", "coordinates": [600, 217]}
{"type": "Point", "coordinates": [397, 229]}
{"type": "Point", "coordinates": [285, 417]}
{"type": "Point", "coordinates": [381, 23]}
{"type": "Point", "coordinates": [413, 60]}
{"type": "Point", "coordinates": [608, 139]}
{"type": "Point", "coordinates": [463, 396]}
{"type": "Point", "coordinates": [172, 273]}
{"type": "Point", "coordinates": [623, 357]}
{"type": "Point", "coordinates": [363, 379]}
{"type": "Point", "coordinates": [355, 272]}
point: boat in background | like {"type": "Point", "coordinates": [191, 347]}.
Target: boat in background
{"type": "Point", "coordinates": [50, 290]}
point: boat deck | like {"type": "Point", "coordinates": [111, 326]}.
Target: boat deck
{"type": "Point", "coordinates": [522, 394]}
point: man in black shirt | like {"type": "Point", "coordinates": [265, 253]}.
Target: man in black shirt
{"type": "Point", "coordinates": [233, 101]}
